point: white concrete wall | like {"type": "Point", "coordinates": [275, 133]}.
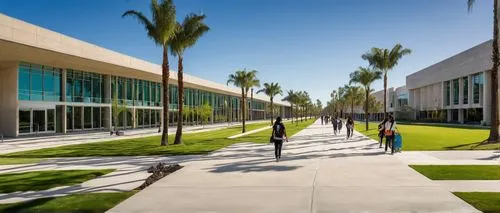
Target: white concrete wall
{"type": "Point", "coordinates": [476, 59]}
{"type": "Point", "coordinates": [8, 99]}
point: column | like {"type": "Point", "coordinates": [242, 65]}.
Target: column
{"type": "Point", "coordinates": [63, 118]}
{"type": "Point", "coordinates": [486, 96]}
{"type": "Point", "coordinates": [107, 97]}
{"type": "Point", "coordinates": [461, 116]}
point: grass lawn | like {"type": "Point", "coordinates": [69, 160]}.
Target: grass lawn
{"type": "Point", "coordinates": [487, 202]}
{"type": "Point", "coordinates": [41, 180]}
{"type": "Point", "coordinates": [426, 137]}
{"type": "Point", "coordinates": [10, 161]}
{"type": "Point", "coordinates": [459, 172]}
{"type": "Point", "coordinates": [76, 203]}
{"type": "Point", "coordinates": [196, 143]}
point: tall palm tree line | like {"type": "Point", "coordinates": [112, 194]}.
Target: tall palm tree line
{"type": "Point", "coordinates": [161, 29]}
{"type": "Point", "coordinates": [385, 60]}
{"type": "Point", "coordinates": [271, 90]}
{"type": "Point", "coordinates": [187, 34]}
{"type": "Point", "coordinates": [494, 132]}
{"type": "Point", "coordinates": [291, 97]}
{"type": "Point", "coordinates": [365, 77]}
{"type": "Point", "coordinates": [245, 80]}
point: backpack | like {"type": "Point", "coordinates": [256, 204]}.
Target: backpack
{"type": "Point", "coordinates": [278, 132]}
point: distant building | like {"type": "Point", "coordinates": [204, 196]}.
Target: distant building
{"type": "Point", "coordinates": [455, 90]}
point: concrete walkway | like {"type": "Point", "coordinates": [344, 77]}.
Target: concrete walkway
{"type": "Point", "coordinates": [319, 172]}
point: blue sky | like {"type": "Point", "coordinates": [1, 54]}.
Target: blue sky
{"type": "Point", "coordinates": [304, 45]}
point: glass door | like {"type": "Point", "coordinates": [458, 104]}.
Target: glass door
{"type": "Point", "coordinates": [39, 121]}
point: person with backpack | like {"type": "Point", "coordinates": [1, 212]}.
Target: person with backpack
{"type": "Point", "coordinates": [350, 127]}
{"type": "Point", "coordinates": [389, 132]}
{"type": "Point", "coordinates": [381, 128]}
{"type": "Point", "coordinates": [278, 136]}
{"type": "Point", "coordinates": [335, 123]}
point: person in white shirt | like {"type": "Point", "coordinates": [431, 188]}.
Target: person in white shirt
{"type": "Point", "coordinates": [389, 131]}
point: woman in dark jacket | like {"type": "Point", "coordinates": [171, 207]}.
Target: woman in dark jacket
{"type": "Point", "coordinates": [279, 135]}
{"type": "Point", "coordinates": [381, 129]}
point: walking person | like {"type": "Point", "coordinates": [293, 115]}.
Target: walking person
{"type": "Point", "coordinates": [381, 132]}
{"type": "Point", "coordinates": [279, 135]}
{"type": "Point", "coordinates": [322, 120]}
{"type": "Point", "coordinates": [335, 123]}
{"type": "Point", "coordinates": [349, 126]}
{"type": "Point", "coordinates": [389, 131]}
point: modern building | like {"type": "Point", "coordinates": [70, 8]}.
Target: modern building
{"type": "Point", "coordinates": [52, 83]}
{"type": "Point", "coordinates": [397, 102]}
{"type": "Point", "coordinates": [455, 90]}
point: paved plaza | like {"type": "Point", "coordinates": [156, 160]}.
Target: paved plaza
{"type": "Point", "coordinates": [319, 172]}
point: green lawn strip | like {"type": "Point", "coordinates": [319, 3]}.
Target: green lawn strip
{"type": "Point", "coordinates": [487, 202]}
{"type": "Point", "coordinates": [42, 180]}
{"type": "Point", "coordinates": [459, 172]}
{"type": "Point", "coordinates": [75, 203]}
{"type": "Point", "coordinates": [263, 136]}
{"type": "Point", "coordinates": [426, 137]}
{"type": "Point", "coordinates": [11, 161]}
{"type": "Point", "coordinates": [195, 143]}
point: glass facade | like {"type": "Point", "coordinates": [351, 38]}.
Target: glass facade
{"type": "Point", "coordinates": [39, 83]}
{"type": "Point", "coordinates": [84, 87]}
{"type": "Point", "coordinates": [86, 107]}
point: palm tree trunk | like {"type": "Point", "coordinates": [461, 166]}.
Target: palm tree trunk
{"type": "Point", "coordinates": [243, 107]}
{"type": "Point", "coordinates": [165, 70]}
{"type": "Point", "coordinates": [367, 95]}
{"type": "Point", "coordinates": [385, 93]}
{"type": "Point", "coordinates": [493, 138]}
{"type": "Point", "coordinates": [272, 111]}
{"type": "Point", "coordinates": [180, 83]}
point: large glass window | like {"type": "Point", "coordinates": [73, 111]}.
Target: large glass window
{"type": "Point", "coordinates": [51, 120]}
{"type": "Point", "coordinates": [78, 87]}
{"type": "Point", "coordinates": [456, 92]}
{"type": "Point", "coordinates": [24, 83]}
{"type": "Point", "coordinates": [477, 82]}
{"type": "Point", "coordinates": [96, 114]}
{"type": "Point", "coordinates": [466, 90]}
{"type": "Point", "coordinates": [69, 86]}
{"type": "Point", "coordinates": [77, 114]}
{"type": "Point", "coordinates": [87, 87]}
{"type": "Point", "coordinates": [24, 121]}
{"type": "Point", "coordinates": [39, 120]}
{"type": "Point", "coordinates": [69, 118]}
{"type": "Point", "coordinates": [39, 83]}
{"type": "Point", "coordinates": [447, 93]}
{"type": "Point", "coordinates": [87, 115]}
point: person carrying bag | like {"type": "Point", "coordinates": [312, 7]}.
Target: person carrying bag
{"type": "Point", "coordinates": [389, 131]}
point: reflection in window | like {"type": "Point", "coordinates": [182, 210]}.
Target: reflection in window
{"type": "Point", "coordinates": [447, 93]}
{"type": "Point", "coordinates": [24, 121]}
{"type": "Point", "coordinates": [50, 120]}
{"type": "Point", "coordinates": [477, 87]}
{"type": "Point", "coordinates": [466, 90]}
{"type": "Point", "coordinates": [456, 91]}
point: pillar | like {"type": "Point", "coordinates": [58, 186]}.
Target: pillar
{"type": "Point", "coordinates": [63, 115]}
{"type": "Point", "coordinates": [486, 97]}
{"type": "Point", "coordinates": [448, 115]}
{"type": "Point", "coordinates": [461, 116]}
{"type": "Point", "coordinates": [460, 91]}
{"type": "Point", "coordinates": [107, 99]}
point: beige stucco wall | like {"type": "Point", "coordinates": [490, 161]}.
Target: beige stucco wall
{"type": "Point", "coordinates": [8, 99]}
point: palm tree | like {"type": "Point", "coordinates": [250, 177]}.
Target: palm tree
{"type": "Point", "coordinates": [354, 96]}
{"type": "Point", "coordinates": [161, 29]}
{"type": "Point", "coordinates": [365, 77]}
{"type": "Point", "coordinates": [191, 29]}
{"type": "Point", "coordinates": [271, 90]}
{"type": "Point", "coordinates": [245, 80]}
{"type": "Point", "coordinates": [494, 133]}
{"type": "Point", "coordinates": [291, 97]}
{"type": "Point", "coordinates": [385, 60]}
